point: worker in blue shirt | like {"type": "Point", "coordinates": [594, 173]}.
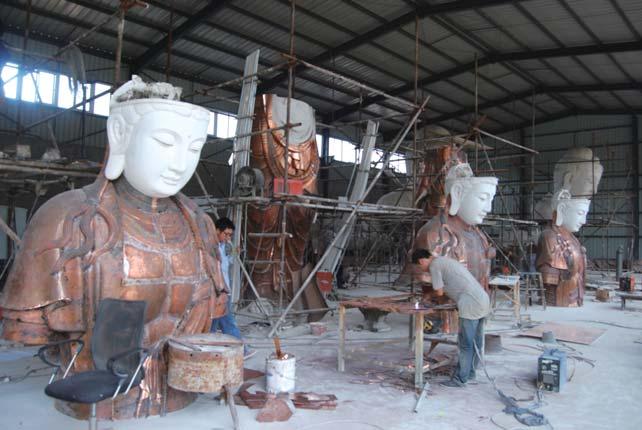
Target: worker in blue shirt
{"type": "Point", "coordinates": [227, 323]}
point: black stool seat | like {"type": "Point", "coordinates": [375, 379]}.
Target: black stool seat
{"type": "Point", "coordinates": [86, 387]}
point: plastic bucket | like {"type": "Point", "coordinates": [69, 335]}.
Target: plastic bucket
{"type": "Point", "coordinates": [280, 374]}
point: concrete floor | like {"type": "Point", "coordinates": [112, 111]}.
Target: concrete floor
{"type": "Point", "coordinates": [605, 397]}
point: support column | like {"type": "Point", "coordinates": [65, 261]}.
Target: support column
{"type": "Point", "coordinates": [635, 156]}
{"type": "Point", "coordinates": [325, 161]}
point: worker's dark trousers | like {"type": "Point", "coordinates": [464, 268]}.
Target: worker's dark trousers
{"type": "Point", "coordinates": [471, 333]}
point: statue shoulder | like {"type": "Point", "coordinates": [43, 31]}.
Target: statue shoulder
{"type": "Point", "coordinates": [55, 210]}
{"type": "Point", "coordinates": [31, 283]}
{"type": "Point", "coordinates": [433, 235]}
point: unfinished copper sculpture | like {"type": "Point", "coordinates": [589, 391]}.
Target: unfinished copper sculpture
{"type": "Point", "coordinates": [562, 261]}
{"type": "Point", "coordinates": [450, 236]}
{"type": "Point", "coordinates": [264, 221]}
{"type": "Point", "coordinates": [430, 193]}
{"type": "Point", "coordinates": [109, 240]}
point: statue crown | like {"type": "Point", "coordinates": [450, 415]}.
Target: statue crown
{"type": "Point", "coordinates": [137, 89]}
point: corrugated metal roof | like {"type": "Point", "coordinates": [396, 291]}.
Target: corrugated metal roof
{"type": "Point", "coordinates": [386, 62]}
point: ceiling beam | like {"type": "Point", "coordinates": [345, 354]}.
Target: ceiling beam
{"type": "Point", "coordinates": [624, 86]}
{"type": "Point", "coordinates": [381, 30]}
{"type": "Point", "coordinates": [186, 27]}
{"type": "Point", "coordinates": [498, 58]}
{"type": "Point", "coordinates": [569, 113]}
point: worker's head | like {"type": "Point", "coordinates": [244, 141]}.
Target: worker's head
{"type": "Point", "coordinates": [224, 229]}
{"type": "Point", "coordinates": [422, 257]}
{"type": "Point", "coordinates": [154, 139]}
{"type": "Point", "coordinates": [471, 198]}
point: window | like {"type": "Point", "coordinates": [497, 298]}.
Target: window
{"type": "Point", "coordinates": [10, 80]}
{"type": "Point", "coordinates": [38, 87]}
{"type": "Point", "coordinates": [225, 125]}
{"type": "Point", "coordinates": [343, 150]}
{"type": "Point", "coordinates": [53, 89]}
{"type": "Point", "coordinates": [101, 104]}
{"type": "Point", "coordinates": [319, 143]}
{"type": "Point", "coordinates": [398, 163]}
{"type": "Point", "coordinates": [210, 126]}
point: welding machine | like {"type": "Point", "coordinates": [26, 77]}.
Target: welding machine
{"type": "Point", "coordinates": [551, 370]}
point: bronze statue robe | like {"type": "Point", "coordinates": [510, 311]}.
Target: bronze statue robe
{"type": "Point", "coordinates": [562, 261]}
{"type": "Point", "coordinates": [268, 155]}
{"type": "Point", "coordinates": [449, 236]}
{"type": "Point", "coordinates": [108, 240]}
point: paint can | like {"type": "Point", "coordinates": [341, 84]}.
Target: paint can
{"type": "Point", "coordinates": [280, 374]}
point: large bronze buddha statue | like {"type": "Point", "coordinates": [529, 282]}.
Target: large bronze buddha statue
{"type": "Point", "coordinates": [453, 232]}
{"type": "Point", "coordinates": [264, 221]}
{"type": "Point", "coordinates": [129, 235]}
{"type": "Point", "coordinates": [561, 258]}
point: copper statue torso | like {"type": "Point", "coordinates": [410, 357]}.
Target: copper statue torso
{"type": "Point", "coordinates": [161, 265]}
{"type": "Point", "coordinates": [141, 250]}
{"type": "Point", "coordinates": [268, 155]}
{"type": "Point", "coordinates": [449, 236]}
{"type": "Point", "coordinates": [432, 170]}
{"type": "Point", "coordinates": [562, 261]}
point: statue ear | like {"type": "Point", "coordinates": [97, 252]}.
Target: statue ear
{"type": "Point", "coordinates": [566, 181]}
{"type": "Point", "coordinates": [456, 194]}
{"type": "Point", "coordinates": [559, 218]}
{"type": "Point", "coordinates": [117, 136]}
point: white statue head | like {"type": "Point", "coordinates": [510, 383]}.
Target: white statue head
{"type": "Point", "coordinates": [579, 172]}
{"type": "Point", "coordinates": [471, 198]}
{"type": "Point", "coordinates": [570, 212]}
{"type": "Point", "coordinates": [155, 141]}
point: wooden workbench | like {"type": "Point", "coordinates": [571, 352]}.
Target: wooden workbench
{"type": "Point", "coordinates": [402, 304]}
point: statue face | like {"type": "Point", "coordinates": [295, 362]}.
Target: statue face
{"type": "Point", "coordinates": [163, 152]}
{"type": "Point", "coordinates": [572, 214]}
{"type": "Point", "coordinates": [476, 201]}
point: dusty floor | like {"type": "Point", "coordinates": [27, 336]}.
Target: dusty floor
{"type": "Point", "coordinates": [374, 395]}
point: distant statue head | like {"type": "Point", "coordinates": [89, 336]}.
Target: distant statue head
{"type": "Point", "coordinates": [471, 198]}
{"type": "Point", "coordinates": [579, 172]}
{"type": "Point", "coordinates": [570, 212]}
{"type": "Point", "coordinates": [155, 140]}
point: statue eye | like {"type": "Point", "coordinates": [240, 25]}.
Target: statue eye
{"type": "Point", "coordinates": [164, 138]}
{"type": "Point", "coordinates": [196, 145]}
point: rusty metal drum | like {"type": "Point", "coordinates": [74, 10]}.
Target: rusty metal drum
{"type": "Point", "coordinates": [205, 363]}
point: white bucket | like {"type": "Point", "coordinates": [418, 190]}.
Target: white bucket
{"type": "Point", "coordinates": [280, 374]}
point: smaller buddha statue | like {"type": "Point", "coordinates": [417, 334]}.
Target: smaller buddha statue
{"type": "Point", "coordinates": [560, 257]}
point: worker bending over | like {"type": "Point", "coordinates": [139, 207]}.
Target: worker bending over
{"type": "Point", "coordinates": [458, 283]}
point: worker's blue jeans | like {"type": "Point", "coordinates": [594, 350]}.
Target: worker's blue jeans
{"type": "Point", "coordinates": [226, 323]}
{"type": "Point", "coordinates": [471, 334]}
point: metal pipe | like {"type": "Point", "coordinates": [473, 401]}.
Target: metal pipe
{"type": "Point", "coordinates": [501, 139]}
{"type": "Point", "coordinates": [254, 133]}
{"type": "Point", "coordinates": [351, 81]}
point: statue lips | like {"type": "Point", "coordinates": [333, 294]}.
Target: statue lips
{"type": "Point", "coordinates": [170, 180]}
